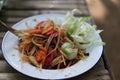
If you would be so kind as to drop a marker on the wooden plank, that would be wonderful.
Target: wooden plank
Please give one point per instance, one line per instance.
(14, 76)
(1, 34)
(4, 67)
(104, 77)
(33, 4)
(1, 56)
(50, 1)
(40, 4)
(100, 75)
(24, 13)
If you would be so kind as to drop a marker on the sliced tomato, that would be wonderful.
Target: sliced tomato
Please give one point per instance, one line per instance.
(50, 57)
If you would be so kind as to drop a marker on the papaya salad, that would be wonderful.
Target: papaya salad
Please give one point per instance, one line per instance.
(54, 44)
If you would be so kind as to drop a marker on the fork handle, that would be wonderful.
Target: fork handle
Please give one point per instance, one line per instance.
(8, 27)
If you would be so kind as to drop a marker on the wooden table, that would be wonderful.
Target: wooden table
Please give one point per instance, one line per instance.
(16, 10)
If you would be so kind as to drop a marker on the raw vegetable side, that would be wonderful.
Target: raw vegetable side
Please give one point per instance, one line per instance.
(53, 45)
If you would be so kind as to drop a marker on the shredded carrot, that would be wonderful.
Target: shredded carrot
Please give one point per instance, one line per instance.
(35, 31)
(43, 49)
(49, 32)
(40, 56)
(47, 29)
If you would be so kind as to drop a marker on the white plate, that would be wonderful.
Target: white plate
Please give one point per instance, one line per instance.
(10, 42)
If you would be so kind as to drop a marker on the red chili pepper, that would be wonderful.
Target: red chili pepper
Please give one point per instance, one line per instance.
(49, 58)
